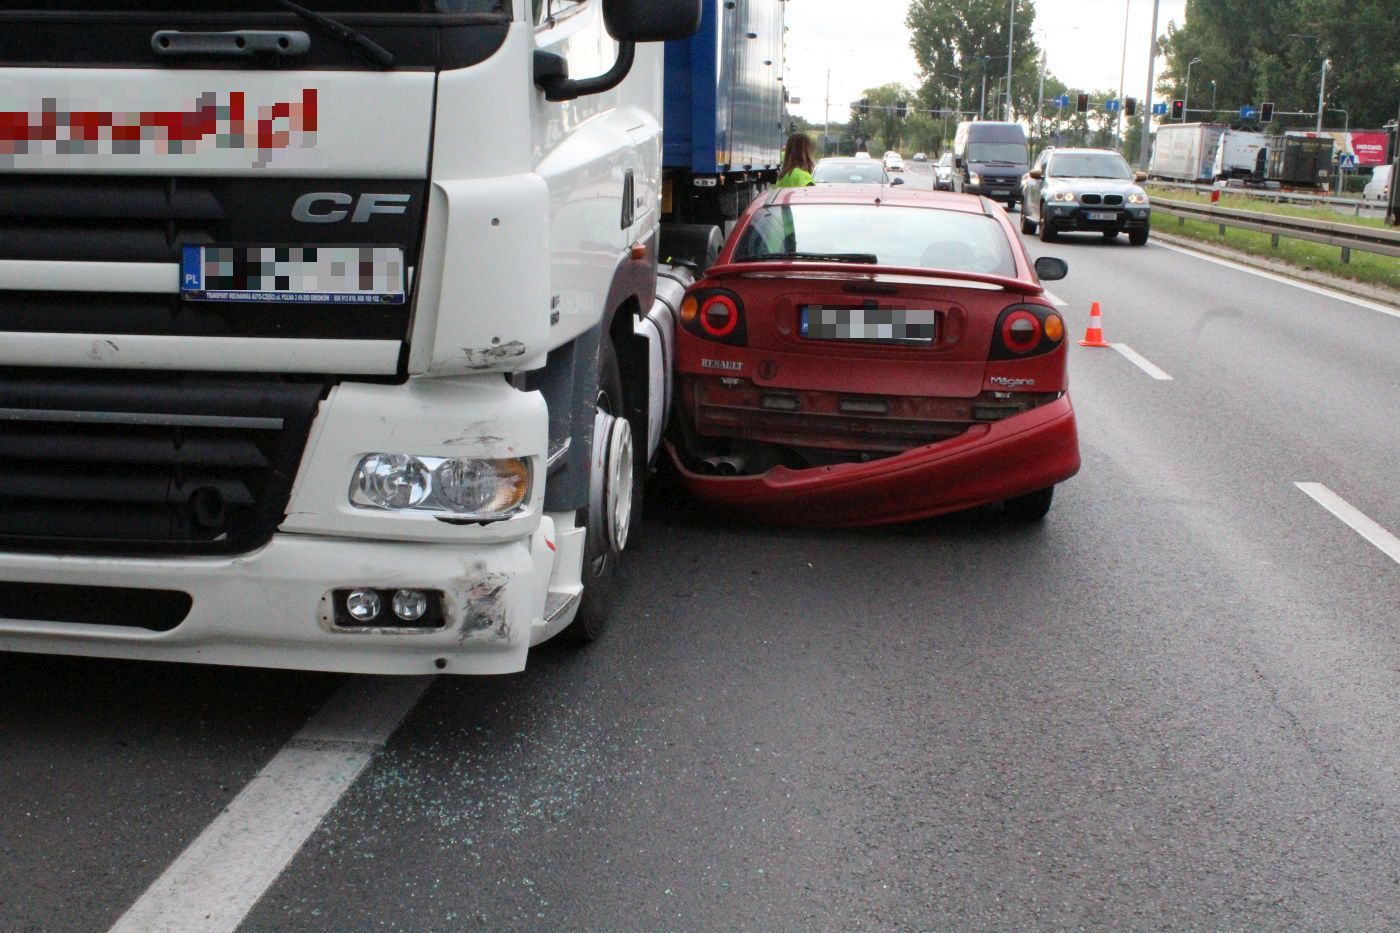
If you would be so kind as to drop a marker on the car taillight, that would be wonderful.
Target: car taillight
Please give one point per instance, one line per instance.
(714, 314)
(1023, 330)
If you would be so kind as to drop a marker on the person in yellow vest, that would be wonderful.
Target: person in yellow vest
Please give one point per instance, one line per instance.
(797, 163)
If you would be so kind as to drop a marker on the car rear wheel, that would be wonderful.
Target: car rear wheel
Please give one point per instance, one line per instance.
(1137, 237)
(1027, 225)
(1047, 229)
(1031, 507)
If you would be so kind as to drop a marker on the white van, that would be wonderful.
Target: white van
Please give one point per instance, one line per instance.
(1378, 188)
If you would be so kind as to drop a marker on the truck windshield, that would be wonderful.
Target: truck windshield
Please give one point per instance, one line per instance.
(888, 234)
(997, 152)
(1090, 165)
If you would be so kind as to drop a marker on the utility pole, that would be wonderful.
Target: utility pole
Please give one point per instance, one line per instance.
(1321, 93)
(1040, 104)
(1147, 114)
(1010, 40)
(1122, 71)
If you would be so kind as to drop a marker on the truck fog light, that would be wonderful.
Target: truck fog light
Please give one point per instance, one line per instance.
(364, 605)
(409, 605)
(392, 481)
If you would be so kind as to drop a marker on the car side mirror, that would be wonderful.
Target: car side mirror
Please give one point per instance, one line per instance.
(896, 181)
(1048, 268)
(629, 22)
(1139, 177)
(651, 20)
(1035, 173)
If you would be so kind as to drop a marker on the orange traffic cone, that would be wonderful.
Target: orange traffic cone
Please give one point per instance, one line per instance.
(1093, 337)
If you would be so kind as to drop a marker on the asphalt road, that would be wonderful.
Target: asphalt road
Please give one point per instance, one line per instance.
(1173, 703)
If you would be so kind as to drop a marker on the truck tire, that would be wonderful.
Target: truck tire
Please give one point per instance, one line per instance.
(614, 506)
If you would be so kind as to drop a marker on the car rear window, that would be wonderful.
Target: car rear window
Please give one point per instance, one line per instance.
(862, 172)
(895, 235)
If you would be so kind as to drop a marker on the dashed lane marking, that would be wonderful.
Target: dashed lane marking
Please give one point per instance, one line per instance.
(1140, 361)
(1315, 289)
(1354, 518)
(213, 884)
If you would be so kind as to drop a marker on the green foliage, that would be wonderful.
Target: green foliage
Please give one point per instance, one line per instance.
(957, 44)
(883, 120)
(1257, 51)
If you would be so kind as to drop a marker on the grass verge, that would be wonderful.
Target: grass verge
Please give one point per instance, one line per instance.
(1372, 269)
(1243, 202)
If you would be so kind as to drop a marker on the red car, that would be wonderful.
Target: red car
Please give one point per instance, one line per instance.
(865, 355)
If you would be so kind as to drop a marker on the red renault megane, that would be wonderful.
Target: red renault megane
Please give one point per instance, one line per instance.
(865, 355)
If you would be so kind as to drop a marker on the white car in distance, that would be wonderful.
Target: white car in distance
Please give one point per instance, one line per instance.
(894, 162)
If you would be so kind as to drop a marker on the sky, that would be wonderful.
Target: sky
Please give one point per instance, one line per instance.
(1083, 40)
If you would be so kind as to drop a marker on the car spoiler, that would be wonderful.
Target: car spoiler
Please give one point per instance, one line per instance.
(1006, 282)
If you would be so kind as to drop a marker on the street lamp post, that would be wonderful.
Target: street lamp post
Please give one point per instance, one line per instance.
(1122, 70)
(1346, 130)
(1321, 93)
(1186, 98)
(1010, 40)
(1145, 143)
(1212, 100)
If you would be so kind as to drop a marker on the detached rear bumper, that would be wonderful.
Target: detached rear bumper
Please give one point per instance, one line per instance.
(987, 463)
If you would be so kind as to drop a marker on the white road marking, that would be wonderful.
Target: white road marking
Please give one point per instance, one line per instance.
(1359, 523)
(1316, 289)
(1055, 299)
(217, 880)
(1140, 360)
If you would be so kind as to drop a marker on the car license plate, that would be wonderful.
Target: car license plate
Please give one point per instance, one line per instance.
(1101, 215)
(339, 274)
(886, 325)
(1001, 191)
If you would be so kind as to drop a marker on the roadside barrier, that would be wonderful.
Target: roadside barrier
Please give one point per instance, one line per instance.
(1345, 237)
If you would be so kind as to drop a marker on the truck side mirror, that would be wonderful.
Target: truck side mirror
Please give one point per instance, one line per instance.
(629, 22)
(651, 20)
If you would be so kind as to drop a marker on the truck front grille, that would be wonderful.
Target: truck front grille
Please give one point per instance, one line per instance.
(148, 465)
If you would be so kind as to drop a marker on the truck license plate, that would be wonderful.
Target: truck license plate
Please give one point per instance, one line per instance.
(1101, 215)
(876, 324)
(307, 274)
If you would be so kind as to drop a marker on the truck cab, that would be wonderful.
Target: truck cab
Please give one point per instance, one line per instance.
(332, 338)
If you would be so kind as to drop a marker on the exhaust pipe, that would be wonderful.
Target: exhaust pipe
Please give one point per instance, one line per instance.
(707, 466)
(729, 466)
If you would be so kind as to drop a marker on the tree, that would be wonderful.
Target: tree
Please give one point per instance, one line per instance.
(957, 45)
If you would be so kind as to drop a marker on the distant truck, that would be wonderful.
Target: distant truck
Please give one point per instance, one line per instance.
(1210, 152)
(724, 110)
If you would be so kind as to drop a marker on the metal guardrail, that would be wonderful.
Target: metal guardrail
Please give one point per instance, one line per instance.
(1355, 205)
(1346, 237)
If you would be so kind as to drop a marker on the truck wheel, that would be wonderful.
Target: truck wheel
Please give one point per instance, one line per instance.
(615, 502)
(1031, 507)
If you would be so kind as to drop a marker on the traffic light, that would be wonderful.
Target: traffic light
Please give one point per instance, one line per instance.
(1082, 105)
(1266, 112)
(1178, 110)
(1129, 106)
(901, 108)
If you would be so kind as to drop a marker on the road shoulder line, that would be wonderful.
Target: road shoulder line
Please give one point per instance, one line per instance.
(1354, 518)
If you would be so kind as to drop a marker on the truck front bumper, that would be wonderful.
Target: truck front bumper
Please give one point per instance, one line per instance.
(271, 608)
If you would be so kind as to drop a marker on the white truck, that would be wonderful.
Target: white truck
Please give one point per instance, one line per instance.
(330, 339)
(1206, 152)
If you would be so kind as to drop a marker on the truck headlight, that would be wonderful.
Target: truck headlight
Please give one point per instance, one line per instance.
(973, 178)
(1063, 196)
(462, 486)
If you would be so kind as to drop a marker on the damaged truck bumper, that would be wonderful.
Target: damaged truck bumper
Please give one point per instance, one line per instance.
(274, 607)
(285, 602)
(985, 464)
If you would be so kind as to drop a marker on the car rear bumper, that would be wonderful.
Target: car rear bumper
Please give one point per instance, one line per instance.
(987, 463)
